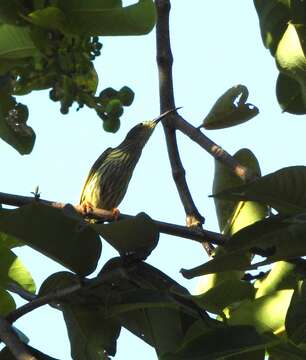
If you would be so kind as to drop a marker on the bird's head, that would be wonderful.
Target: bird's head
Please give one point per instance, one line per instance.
(141, 133)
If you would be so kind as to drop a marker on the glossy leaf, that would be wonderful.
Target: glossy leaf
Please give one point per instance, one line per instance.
(273, 17)
(283, 275)
(218, 343)
(296, 315)
(94, 18)
(138, 235)
(15, 42)
(283, 190)
(226, 262)
(280, 238)
(223, 294)
(50, 17)
(13, 270)
(7, 303)
(291, 61)
(228, 211)
(266, 314)
(230, 109)
(51, 231)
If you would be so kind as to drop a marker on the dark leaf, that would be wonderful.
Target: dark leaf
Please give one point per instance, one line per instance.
(90, 332)
(283, 190)
(230, 109)
(49, 230)
(296, 315)
(7, 303)
(218, 343)
(109, 18)
(138, 235)
(291, 60)
(273, 17)
(289, 96)
(238, 260)
(5, 354)
(13, 120)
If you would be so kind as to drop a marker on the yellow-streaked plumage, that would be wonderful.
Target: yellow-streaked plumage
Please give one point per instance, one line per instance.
(109, 177)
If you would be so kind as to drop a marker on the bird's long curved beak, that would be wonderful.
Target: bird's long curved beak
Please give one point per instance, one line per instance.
(163, 115)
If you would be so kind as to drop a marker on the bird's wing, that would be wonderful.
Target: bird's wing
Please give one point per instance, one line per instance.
(94, 168)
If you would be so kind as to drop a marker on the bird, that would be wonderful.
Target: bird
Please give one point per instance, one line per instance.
(109, 177)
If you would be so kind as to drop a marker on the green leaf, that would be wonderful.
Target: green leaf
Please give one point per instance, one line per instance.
(13, 270)
(289, 96)
(138, 235)
(13, 120)
(291, 61)
(266, 314)
(7, 303)
(283, 190)
(280, 238)
(223, 294)
(149, 303)
(54, 233)
(230, 109)
(286, 350)
(15, 42)
(273, 17)
(5, 354)
(96, 18)
(296, 315)
(50, 17)
(219, 343)
(233, 215)
(90, 333)
(226, 262)
(283, 275)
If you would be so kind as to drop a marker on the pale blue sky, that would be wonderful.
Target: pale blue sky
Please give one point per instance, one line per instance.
(216, 44)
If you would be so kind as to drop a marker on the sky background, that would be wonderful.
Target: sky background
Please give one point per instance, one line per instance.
(215, 44)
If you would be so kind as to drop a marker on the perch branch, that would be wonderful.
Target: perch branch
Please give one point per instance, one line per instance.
(194, 233)
(11, 340)
(164, 61)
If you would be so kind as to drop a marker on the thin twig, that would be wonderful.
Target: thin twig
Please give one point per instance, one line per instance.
(17, 289)
(11, 340)
(213, 149)
(42, 300)
(164, 61)
(194, 233)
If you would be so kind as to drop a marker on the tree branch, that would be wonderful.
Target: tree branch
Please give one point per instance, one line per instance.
(11, 340)
(41, 301)
(17, 289)
(212, 148)
(164, 61)
(194, 233)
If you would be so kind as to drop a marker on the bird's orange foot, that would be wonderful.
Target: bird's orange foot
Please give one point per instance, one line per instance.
(116, 213)
(87, 207)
